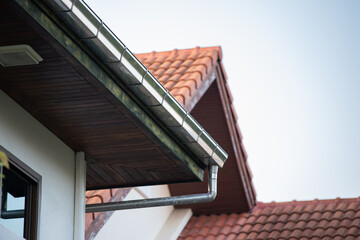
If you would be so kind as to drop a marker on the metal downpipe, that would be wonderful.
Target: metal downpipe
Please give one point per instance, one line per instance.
(165, 201)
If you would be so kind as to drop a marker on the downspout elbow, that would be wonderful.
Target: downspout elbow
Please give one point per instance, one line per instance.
(213, 171)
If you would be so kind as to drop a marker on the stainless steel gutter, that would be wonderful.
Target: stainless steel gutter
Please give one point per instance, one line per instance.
(165, 201)
(100, 39)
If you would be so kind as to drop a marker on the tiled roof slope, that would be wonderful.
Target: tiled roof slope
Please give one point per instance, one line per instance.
(187, 74)
(183, 72)
(318, 219)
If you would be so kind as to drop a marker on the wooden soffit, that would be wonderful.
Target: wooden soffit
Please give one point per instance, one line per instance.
(76, 97)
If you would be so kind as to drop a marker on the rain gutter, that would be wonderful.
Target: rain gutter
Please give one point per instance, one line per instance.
(164, 201)
(114, 54)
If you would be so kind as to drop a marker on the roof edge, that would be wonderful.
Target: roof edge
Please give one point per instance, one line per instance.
(106, 82)
(261, 205)
(79, 17)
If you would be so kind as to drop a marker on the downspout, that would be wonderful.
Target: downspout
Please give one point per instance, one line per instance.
(165, 201)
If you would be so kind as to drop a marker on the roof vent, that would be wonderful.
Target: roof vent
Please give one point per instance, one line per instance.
(18, 55)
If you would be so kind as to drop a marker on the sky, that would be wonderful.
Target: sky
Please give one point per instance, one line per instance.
(294, 71)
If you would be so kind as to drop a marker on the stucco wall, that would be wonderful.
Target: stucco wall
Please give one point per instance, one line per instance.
(156, 223)
(42, 151)
(144, 223)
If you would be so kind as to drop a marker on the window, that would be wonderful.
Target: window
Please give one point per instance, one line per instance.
(20, 198)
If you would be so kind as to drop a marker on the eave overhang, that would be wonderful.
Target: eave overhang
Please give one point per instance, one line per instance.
(100, 39)
(112, 69)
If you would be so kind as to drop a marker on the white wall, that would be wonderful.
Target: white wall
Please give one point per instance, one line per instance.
(42, 151)
(7, 234)
(175, 224)
(145, 223)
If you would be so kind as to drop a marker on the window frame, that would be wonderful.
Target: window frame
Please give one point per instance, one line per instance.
(32, 212)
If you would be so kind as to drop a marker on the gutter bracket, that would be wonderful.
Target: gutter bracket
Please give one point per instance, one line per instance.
(164, 201)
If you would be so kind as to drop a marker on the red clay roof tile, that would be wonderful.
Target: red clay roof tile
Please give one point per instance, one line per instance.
(242, 236)
(315, 216)
(231, 236)
(210, 237)
(220, 237)
(215, 230)
(327, 214)
(290, 225)
(295, 233)
(287, 221)
(356, 221)
(354, 231)
(310, 208)
(236, 229)
(202, 232)
(279, 226)
(305, 216)
(220, 220)
(274, 234)
(301, 225)
(231, 219)
(349, 214)
(312, 224)
(263, 235)
(338, 214)
(226, 230)
(262, 219)
(323, 223)
(194, 65)
(334, 223)
(308, 233)
(283, 218)
(247, 228)
(272, 218)
(285, 233)
(252, 235)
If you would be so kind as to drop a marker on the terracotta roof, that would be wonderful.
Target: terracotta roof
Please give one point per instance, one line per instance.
(182, 72)
(188, 75)
(318, 219)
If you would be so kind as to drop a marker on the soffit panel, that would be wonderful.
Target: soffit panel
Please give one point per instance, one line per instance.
(119, 152)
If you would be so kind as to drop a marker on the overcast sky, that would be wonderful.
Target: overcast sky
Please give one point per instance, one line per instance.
(294, 70)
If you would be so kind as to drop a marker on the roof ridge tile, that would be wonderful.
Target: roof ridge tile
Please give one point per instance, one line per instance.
(307, 202)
